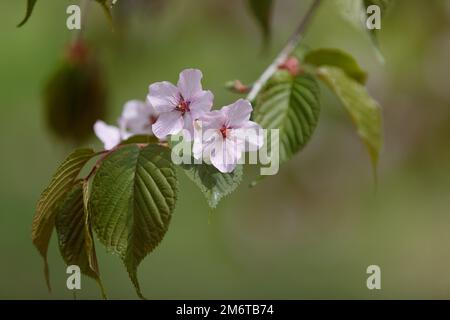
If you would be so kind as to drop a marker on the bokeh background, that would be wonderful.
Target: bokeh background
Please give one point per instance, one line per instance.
(309, 232)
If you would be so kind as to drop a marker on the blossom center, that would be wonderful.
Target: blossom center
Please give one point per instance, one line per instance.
(224, 131)
(183, 106)
(151, 121)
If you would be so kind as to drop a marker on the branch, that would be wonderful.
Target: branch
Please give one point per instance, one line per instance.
(293, 42)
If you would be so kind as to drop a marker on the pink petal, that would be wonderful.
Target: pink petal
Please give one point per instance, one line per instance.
(225, 155)
(188, 132)
(212, 120)
(202, 148)
(163, 96)
(109, 135)
(189, 83)
(250, 135)
(133, 109)
(136, 119)
(201, 103)
(238, 113)
(168, 123)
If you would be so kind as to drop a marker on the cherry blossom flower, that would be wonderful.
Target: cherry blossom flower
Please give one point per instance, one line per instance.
(137, 119)
(109, 135)
(226, 134)
(178, 106)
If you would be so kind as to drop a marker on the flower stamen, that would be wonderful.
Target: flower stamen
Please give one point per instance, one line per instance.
(183, 106)
(223, 131)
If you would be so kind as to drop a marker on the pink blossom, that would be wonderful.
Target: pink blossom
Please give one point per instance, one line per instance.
(178, 106)
(226, 134)
(137, 119)
(109, 135)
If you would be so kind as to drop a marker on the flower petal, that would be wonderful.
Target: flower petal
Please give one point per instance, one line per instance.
(238, 113)
(188, 132)
(109, 135)
(189, 83)
(201, 103)
(204, 141)
(212, 120)
(225, 155)
(163, 96)
(251, 134)
(168, 123)
(136, 119)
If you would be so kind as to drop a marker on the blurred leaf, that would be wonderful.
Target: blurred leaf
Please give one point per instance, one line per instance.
(336, 58)
(30, 7)
(356, 13)
(132, 200)
(351, 10)
(262, 11)
(75, 96)
(292, 105)
(214, 184)
(383, 5)
(74, 232)
(106, 5)
(364, 111)
(50, 199)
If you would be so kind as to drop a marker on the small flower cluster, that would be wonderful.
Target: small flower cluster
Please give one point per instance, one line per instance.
(220, 136)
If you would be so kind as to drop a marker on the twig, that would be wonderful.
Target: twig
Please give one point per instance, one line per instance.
(293, 42)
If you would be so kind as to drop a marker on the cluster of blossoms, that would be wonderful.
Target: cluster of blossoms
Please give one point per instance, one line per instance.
(219, 137)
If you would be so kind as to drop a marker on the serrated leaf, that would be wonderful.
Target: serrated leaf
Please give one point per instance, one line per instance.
(336, 58)
(30, 7)
(132, 200)
(74, 232)
(363, 110)
(140, 139)
(290, 104)
(214, 184)
(61, 184)
(262, 12)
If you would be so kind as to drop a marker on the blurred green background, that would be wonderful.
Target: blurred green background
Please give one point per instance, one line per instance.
(309, 232)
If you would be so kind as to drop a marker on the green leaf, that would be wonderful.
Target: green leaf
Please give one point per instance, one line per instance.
(30, 7)
(50, 199)
(356, 13)
(336, 58)
(363, 110)
(106, 5)
(350, 10)
(290, 104)
(384, 6)
(214, 184)
(140, 139)
(262, 11)
(74, 232)
(132, 200)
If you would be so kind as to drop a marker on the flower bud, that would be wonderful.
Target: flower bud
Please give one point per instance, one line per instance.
(75, 95)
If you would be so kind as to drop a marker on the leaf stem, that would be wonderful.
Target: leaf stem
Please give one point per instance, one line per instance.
(103, 154)
(292, 43)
